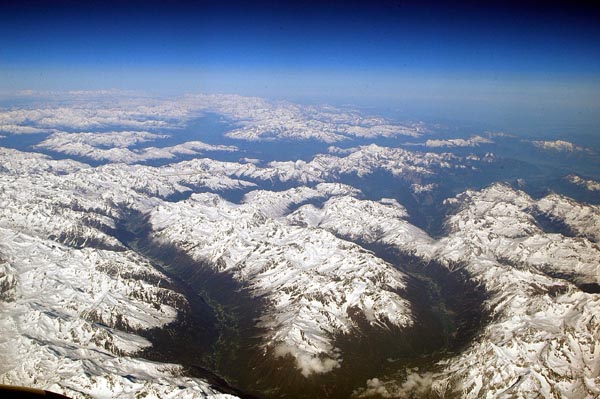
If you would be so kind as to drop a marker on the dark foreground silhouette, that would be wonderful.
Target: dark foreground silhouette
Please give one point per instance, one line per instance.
(10, 392)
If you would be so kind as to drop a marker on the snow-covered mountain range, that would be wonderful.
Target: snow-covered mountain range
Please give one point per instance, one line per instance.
(315, 283)
(83, 282)
(74, 299)
(543, 335)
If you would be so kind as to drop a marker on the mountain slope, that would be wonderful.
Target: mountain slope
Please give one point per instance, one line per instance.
(313, 281)
(544, 334)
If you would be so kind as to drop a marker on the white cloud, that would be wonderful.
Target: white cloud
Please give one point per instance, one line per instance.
(309, 363)
(414, 385)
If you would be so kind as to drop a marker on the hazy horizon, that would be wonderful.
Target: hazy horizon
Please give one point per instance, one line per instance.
(500, 65)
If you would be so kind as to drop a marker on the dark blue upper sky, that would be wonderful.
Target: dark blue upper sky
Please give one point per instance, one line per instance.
(421, 53)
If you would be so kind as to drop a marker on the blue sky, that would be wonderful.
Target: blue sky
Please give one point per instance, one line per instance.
(426, 58)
